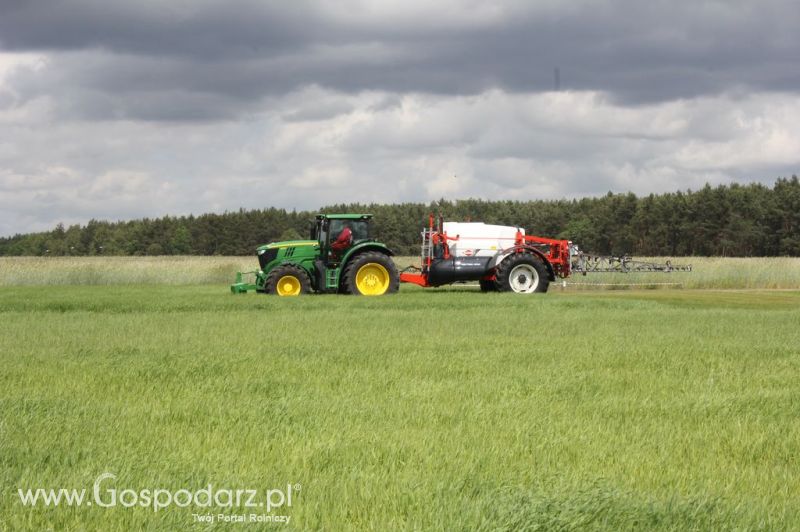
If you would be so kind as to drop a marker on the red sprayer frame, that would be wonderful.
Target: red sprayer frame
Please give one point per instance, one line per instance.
(554, 253)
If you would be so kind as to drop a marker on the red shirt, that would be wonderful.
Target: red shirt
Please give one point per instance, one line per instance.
(343, 241)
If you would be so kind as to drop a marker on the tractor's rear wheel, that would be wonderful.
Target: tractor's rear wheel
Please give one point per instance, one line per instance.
(371, 274)
(288, 281)
(522, 273)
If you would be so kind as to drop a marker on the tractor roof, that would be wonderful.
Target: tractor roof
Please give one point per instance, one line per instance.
(344, 216)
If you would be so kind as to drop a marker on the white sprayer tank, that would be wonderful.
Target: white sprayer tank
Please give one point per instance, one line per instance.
(477, 239)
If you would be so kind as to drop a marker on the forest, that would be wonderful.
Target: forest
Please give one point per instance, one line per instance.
(733, 220)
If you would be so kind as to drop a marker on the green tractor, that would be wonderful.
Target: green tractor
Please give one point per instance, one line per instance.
(340, 257)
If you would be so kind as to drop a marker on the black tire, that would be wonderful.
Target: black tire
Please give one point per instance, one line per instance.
(522, 273)
(487, 285)
(350, 273)
(288, 270)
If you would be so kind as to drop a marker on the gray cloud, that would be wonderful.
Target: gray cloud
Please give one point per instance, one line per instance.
(242, 51)
(119, 110)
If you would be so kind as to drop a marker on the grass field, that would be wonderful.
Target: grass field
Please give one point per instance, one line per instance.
(432, 410)
(709, 272)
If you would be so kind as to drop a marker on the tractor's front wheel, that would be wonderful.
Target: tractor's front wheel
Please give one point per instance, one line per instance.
(288, 281)
(371, 274)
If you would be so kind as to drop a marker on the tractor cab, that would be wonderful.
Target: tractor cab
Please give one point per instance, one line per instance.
(336, 233)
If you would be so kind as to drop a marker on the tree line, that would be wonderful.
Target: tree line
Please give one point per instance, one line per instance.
(727, 220)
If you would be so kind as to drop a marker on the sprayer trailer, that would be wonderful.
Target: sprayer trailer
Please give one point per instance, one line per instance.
(504, 258)
(339, 257)
(501, 258)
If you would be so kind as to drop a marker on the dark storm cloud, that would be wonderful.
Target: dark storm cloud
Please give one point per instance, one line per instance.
(201, 61)
(190, 29)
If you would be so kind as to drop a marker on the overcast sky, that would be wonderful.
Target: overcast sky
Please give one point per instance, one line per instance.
(119, 110)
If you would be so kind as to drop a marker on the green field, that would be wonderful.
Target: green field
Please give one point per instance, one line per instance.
(432, 410)
(709, 272)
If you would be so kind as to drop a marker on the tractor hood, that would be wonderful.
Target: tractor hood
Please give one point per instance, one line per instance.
(284, 250)
(288, 244)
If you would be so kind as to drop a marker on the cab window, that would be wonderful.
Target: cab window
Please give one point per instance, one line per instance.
(360, 229)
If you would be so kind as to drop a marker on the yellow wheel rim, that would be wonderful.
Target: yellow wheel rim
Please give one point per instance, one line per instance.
(372, 279)
(288, 285)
